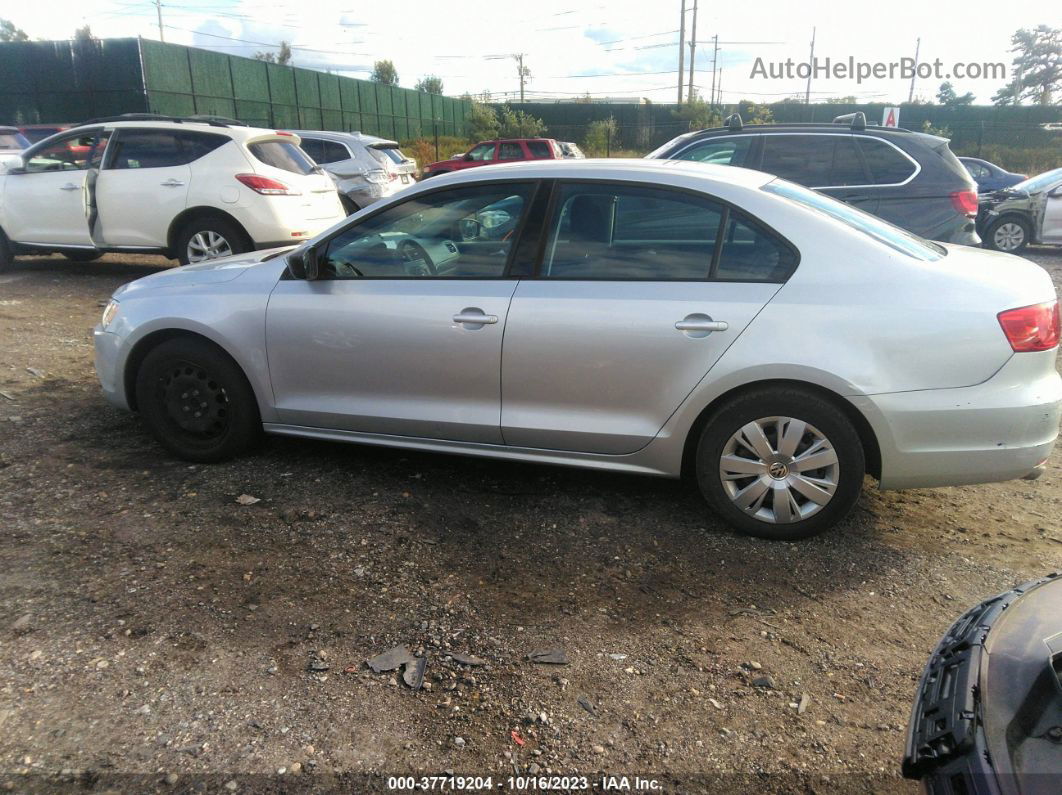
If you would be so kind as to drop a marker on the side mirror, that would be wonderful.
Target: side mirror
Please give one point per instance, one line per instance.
(467, 157)
(302, 264)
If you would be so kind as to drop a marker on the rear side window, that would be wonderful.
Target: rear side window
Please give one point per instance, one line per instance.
(720, 152)
(283, 155)
(631, 232)
(328, 152)
(393, 153)
(510, 151)
(887, 165)
(161, 148)
(539, 149)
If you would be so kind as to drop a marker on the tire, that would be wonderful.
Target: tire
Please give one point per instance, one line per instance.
(206, 232)
(7, 256)
(775, 411)
(1009, 234)
(184, 376)
(82, 256)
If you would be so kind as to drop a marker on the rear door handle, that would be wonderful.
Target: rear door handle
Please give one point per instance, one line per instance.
(171, 183)
(70, 186)
(474, 316)
(701, 323)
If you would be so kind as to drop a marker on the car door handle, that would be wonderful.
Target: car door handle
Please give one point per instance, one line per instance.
(474, 316)
(70, 186)
(172, 183)
(701, 323)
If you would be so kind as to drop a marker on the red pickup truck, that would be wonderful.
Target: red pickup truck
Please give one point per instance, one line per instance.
(506, 150)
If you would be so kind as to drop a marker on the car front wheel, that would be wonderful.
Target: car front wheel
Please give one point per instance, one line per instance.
(196, 401)
(210, 238)
(1008, 234)
(780, 463)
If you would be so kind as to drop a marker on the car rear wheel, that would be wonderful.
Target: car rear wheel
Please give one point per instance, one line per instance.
(780, 463)
(1008, 234)
(82, 256)
(210, 238)
(196, 401)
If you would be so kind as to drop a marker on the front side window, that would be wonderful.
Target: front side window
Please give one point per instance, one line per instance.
(540, 149)
(160, 148)
(882, 231)
(283, 155)
(69, 153)
(888, 166)
(719, 152)
(807, 159)
(482, 152)
(461, 233)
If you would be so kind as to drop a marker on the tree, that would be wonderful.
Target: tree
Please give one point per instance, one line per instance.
(848, 100)
(384, 72)
(8, 31)
(947, 96)
(600, 136)
(283, 57)
(84, 34)
(430, 85)
(482, 122)
(1037, 67)
(698, 114)
(752, 113)
(518, 124)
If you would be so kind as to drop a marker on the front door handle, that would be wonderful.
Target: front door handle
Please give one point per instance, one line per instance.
(171, 183)
(474, 317)
(698, 325)
(70, 186)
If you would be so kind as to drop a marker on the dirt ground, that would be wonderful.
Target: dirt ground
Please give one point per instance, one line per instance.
(155, 634)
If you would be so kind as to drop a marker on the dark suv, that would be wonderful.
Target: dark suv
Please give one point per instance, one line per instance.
(908, 178)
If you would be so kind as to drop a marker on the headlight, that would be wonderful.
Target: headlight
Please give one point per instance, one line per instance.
(110, 312)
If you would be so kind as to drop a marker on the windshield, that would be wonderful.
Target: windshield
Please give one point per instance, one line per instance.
(1039, 182)
(13, 140)
(882, 231)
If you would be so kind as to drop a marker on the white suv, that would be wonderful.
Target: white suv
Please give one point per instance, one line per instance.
(190, 189)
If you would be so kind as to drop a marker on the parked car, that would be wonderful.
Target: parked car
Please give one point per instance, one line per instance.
(12, 142)
(506, 150)
(989, 176)
(987, 717)
(1028, 212)
(570, 149)
(365, 168)
(188, 189)
(658, 317)
(908, 178)
(34, 133)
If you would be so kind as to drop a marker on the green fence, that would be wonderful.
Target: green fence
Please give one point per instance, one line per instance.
(66, 81)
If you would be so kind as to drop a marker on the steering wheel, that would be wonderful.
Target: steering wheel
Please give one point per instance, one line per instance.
(412, 252)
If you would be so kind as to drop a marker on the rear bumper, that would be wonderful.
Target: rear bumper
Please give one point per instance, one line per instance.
(1001, 429)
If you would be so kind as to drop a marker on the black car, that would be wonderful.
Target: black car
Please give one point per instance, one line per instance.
(908, 178)
(1029, 212)
(987, 718)
(989, 176)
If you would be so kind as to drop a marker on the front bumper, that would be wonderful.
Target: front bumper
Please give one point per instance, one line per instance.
(107, 347)
(999, 430)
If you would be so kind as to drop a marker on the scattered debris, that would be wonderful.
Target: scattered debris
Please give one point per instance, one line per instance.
(517, 738)
(548, 657)
(467, 659)
(765, 682)
(318, 664)
(752, 611)
(413, 673)
(715, 703)
(7, 395)
(805, 701)
(35, 372)
(618, 657)
(247, 499)
(390, 660)
(585, 704)
(22, 625)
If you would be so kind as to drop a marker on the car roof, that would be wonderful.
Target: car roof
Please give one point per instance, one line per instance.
(238, 132)
(5, 129)
(333, 135)
(634, 169)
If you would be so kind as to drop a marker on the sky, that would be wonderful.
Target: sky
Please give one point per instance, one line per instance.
(622, 48)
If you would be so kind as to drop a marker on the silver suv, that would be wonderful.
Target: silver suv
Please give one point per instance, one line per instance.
(365, 168)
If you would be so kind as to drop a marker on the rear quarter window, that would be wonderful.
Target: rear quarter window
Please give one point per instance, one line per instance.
(539, 149)
(887, 165)
(283, 155)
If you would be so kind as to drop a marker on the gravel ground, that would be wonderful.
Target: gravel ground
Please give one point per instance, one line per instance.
(156, 634)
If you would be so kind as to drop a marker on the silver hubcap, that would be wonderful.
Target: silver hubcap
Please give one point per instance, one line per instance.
(207, 245)
(779, 470)
(1008, 236)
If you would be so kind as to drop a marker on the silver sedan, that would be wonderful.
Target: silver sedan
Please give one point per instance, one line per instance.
(640, 316)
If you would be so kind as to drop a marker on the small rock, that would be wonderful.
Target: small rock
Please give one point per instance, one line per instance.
(281, 771)
(548, 656)
(231, 786)
(715, 703)
(598, 749)
(805, 701)
(144, 710)
(23, 624)
(467, 659)
(296, 768)
(459, 742)
(247, 499)
(533, 769)
(618, 657)
(171, 778)
(765, 682)
(754, 666)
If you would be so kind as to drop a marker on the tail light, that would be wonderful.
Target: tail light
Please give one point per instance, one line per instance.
(1032, 328)
(266, 186)
(965, 202)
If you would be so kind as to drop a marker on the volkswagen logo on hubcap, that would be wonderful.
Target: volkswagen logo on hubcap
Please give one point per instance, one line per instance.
(778, 470)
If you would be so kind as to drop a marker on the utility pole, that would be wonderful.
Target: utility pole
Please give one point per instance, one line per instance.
(158, 9)
(811, 69)
(918, 46)
(522, 71)
(715, 61)
(693, 49)
(682, 49)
